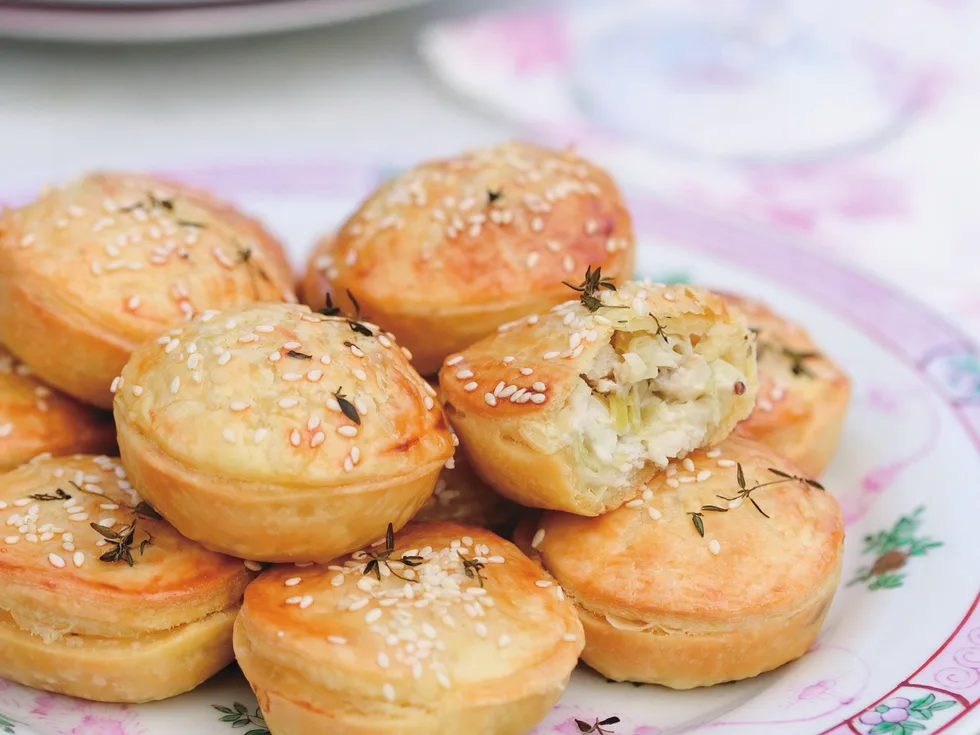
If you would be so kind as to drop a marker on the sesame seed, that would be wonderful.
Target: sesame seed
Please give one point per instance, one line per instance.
(288, 402)
(734, 503)
(464, 374)
(544, 583)
(313, 423)
(428, 402)
(293, 581)
(636, 503)
(490, 398)
(389, 692)
(292, 346)
(337, 580)
(348, 431)
(538, 538)
(305, 602)
(672, 482)
(703, 475)
(238, 405)
(275, 356)
(253, 565)
(78, 558)
(78, 517)
(508, 359)
(372, 615)
(172, 345)
(294, 438)
(713, 454)
(551, 355)
(360, 405)
(713, 546)
(538, 398)
(56, 561)
(229, 436)
(11, 539)
(337, 640)
(116, 383)
(332, 404)
(383, 660)
(259, 435)
(471, 386)
(291, 377)
(454, 360)
(653, 513)
(314, 375)
(726, 463)
(539, 387)
(325, 359)
(532, 259)
(526, 371)
(357, 350)
(318, 439)
(175, 385)
(223, 358)
(688, 464)
(294, 600)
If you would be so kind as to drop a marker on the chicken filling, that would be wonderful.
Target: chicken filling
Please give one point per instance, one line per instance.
(650, 397)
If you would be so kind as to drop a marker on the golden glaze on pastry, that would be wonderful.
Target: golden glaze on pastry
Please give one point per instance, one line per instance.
(572, 409)
(803, 394)
(444, 253)
(662, 604)
(91, 270)
(278, 434)
(35, 419)
(444, 646)
(103, 630)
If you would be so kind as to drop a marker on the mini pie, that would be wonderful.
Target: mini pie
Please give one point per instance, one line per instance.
(35, 419)
(91, 270)
(573, 409)
(471, 638)
(662, 604)
(104, 630)
(803, 394)
(277, 434)
(444, 253)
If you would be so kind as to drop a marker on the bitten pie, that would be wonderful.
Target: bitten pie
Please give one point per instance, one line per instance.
(704, 578)
(76, 617)
(445, 252)
(440, 629)
(91, 270)
(572, 409)
(803, 394)
(277, 434)
(35, 419)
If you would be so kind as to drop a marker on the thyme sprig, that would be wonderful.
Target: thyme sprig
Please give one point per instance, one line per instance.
(745, 493)
(348, 408)
(472, 568)
(355, 322)
(493, 195)
(121, 542)
(591, 287)
(599, 727)
(59, 495)
(383, 558)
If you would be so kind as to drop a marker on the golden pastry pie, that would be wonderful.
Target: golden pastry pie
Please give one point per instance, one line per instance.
(442, 629)
(704, 578)
(91, 270)
(445, 252)
(572, 409)
(35, 419)
(803, 394)
(99, 598)
(278, 434)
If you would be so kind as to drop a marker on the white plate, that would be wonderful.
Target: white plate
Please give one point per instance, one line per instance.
(130, 21)
(900, 652)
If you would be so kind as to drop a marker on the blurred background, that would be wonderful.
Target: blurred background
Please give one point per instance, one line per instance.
(849, 126)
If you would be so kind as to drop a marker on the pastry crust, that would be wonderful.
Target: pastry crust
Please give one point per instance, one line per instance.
(572, 409)
(662, 604)
(803, 394)
(277, 434)
(35, 419)
(444, 253)
(325, 650)
(91, 270)
(104, 630)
